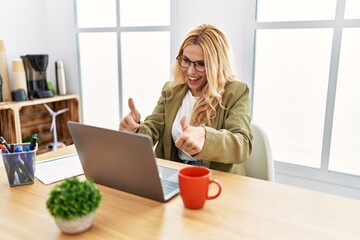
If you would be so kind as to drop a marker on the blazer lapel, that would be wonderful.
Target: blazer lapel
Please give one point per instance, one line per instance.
(172, 108)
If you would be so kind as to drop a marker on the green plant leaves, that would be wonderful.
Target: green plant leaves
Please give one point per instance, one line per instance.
(73, 198)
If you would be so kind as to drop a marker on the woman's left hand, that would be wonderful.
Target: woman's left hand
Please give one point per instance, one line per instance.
(192, 139)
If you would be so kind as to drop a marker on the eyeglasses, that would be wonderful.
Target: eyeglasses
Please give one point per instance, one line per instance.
(184, 62)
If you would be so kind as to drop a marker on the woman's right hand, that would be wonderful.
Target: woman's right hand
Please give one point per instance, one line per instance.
(131, 122)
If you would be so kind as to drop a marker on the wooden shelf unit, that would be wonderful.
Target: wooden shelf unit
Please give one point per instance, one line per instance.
(19, 120)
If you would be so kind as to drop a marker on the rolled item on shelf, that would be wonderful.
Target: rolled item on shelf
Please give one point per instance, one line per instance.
(6, 93)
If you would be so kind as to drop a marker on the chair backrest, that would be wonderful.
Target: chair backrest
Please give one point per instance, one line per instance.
(260, 163)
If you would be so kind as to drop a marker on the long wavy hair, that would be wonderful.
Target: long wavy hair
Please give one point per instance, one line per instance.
(219, 70)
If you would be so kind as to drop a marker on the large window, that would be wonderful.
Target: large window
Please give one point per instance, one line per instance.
(307, 84)
(124, 51)
(345, 150)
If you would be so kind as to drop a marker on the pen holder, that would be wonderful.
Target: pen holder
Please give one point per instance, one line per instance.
(20, 164)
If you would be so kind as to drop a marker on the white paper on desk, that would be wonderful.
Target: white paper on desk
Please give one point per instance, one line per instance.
(57, 169)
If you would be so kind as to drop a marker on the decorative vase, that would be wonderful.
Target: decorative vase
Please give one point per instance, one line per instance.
(18, 75)
(76, 225)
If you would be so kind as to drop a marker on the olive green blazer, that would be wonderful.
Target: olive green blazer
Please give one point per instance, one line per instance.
(228, 139)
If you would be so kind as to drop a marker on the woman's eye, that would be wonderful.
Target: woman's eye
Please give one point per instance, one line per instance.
(200, 64)
(185, 60)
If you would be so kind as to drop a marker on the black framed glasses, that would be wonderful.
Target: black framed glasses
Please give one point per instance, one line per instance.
(184, 62)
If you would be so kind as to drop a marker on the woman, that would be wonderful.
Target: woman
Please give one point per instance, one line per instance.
(203, 114)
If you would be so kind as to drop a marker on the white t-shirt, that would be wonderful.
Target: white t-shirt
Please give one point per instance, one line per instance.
(186, 108)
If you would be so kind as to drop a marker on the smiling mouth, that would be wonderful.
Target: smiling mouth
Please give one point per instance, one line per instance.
(192, 79)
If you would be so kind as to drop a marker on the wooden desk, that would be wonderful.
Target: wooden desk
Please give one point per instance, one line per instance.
(247, 209)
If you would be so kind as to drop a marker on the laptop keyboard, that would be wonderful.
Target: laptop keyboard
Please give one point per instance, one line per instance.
(168, 186)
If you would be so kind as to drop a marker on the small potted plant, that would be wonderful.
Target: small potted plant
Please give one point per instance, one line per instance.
(73, 204)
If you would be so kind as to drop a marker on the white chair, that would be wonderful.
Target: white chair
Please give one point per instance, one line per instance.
(260, 163)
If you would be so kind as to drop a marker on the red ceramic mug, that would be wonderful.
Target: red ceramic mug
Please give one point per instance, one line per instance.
(194, 186)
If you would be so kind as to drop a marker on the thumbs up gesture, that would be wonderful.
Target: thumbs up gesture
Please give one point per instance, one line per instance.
(135, 113)
(192, 139)
(132, 119)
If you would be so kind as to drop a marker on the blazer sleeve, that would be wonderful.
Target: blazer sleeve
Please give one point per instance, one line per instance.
(153, 124)
(228, 140)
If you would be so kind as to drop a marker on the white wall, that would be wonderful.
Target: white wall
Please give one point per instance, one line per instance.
(41, 27)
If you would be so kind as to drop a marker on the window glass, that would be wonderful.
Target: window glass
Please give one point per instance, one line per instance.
(291, 78)
(96, 13)
(295, 10)
(144, 13)
(352, 9)
(345, 147)
(99, 79)
(145, 68)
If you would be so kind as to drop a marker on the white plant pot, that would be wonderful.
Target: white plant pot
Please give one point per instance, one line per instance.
(76, 225)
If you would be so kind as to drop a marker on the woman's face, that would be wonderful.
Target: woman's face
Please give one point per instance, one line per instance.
(195, 80)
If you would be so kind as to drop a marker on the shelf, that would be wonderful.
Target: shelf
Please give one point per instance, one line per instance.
(19, 120)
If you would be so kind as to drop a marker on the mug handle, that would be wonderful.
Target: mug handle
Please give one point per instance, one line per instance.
(219, 189)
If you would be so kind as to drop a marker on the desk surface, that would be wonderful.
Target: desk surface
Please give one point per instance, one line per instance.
(247, 209)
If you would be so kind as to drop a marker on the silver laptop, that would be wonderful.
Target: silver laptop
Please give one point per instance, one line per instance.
(124, 161)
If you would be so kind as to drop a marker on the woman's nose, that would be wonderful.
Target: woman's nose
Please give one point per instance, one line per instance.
(191, 69)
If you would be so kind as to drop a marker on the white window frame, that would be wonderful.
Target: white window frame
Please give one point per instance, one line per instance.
(318, 179)
(118, 30)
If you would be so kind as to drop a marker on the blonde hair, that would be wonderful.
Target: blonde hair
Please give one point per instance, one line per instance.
(219, 70)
